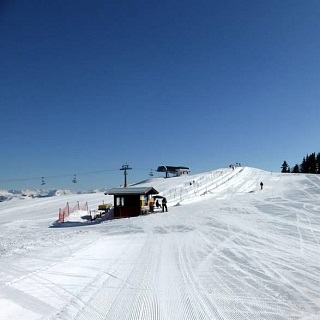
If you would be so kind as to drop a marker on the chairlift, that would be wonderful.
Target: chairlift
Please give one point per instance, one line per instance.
(74, 180)
(42, 181)
(151, 173)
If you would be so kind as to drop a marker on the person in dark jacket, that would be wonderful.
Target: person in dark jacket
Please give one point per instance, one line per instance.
(261, 185)
(164, 205)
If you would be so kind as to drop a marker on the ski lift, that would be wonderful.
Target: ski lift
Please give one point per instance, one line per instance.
(151, 173)
(42, 181)
(74, 180)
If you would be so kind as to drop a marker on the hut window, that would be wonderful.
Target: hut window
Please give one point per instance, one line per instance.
(120, 201)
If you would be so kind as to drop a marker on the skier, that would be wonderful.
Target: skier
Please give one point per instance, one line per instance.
(261, 185)
(164, 205)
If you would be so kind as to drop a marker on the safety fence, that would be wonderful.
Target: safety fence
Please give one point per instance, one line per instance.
(66, 211)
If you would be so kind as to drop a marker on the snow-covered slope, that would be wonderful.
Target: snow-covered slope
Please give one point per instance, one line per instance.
(225, 250)
(220, 183)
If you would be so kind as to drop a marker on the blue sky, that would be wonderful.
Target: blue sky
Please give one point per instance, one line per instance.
(87, 86)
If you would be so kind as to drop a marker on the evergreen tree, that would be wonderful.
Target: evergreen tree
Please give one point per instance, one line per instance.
(304, 165)
(309, 164)
(318, 163)
(296, 169)
(285, 167)
(312, 163)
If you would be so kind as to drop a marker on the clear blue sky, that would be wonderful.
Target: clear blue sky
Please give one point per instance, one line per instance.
(87, 86)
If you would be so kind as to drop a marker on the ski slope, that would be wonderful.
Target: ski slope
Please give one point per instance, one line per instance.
(225, 250)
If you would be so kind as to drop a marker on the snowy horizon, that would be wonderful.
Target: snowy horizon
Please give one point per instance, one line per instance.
(225, 250)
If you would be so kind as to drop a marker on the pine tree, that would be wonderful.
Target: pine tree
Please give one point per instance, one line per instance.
(285, 167)
(304, 165)
(318, 163)
(309, 164)
(296, 169)
(312, 163)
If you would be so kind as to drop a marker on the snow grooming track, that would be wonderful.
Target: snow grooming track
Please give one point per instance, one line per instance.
(229, 272)
(138, 301)
(246, 290)
(103, 293)
(199, 306)
(175, 298)
(43, 278)
(150, 297)
(275, 264)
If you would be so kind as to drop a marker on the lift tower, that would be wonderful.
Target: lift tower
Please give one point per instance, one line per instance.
(125, 167)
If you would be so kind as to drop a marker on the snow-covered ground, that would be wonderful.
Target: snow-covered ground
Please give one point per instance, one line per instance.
(225, 250)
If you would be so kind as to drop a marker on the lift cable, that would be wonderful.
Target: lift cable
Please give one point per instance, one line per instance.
(56, 176)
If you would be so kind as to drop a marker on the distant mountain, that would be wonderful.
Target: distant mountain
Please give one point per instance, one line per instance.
(6, 195)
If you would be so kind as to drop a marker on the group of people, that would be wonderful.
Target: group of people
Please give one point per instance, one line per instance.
(163, 204)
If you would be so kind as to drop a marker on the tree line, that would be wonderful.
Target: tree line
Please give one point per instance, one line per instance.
(310, 164)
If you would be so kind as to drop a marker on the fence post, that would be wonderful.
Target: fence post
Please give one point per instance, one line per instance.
(61, 216)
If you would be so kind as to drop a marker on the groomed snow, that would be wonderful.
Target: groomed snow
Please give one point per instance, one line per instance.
(225, 250)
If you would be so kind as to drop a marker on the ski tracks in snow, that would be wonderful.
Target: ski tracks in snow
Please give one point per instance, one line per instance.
(234, 256)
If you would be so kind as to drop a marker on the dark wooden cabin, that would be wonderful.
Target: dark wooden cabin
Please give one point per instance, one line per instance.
(127, 201)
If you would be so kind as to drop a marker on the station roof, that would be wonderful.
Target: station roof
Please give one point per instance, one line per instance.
(132, 191)
(171, 169)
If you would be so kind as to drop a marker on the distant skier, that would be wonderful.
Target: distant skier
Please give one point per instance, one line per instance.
(261, 185)
(164, 205)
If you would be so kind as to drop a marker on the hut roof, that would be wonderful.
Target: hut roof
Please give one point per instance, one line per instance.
(131, 191)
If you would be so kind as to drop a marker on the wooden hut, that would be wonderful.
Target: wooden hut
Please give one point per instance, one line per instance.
(128, 201)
